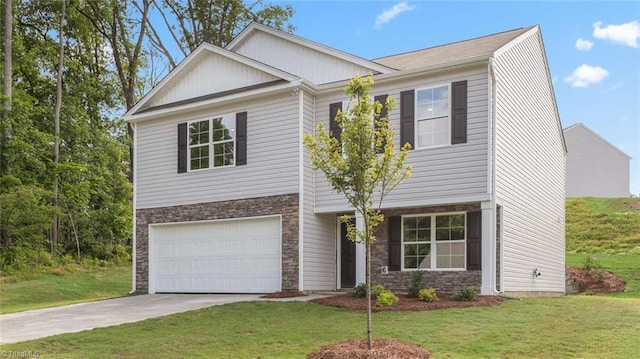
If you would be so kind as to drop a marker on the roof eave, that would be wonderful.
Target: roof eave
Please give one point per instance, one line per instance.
(194, 106)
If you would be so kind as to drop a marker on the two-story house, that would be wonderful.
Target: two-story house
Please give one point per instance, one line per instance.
(226, 200)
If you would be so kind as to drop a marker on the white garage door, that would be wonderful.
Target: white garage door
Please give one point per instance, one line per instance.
(228, 256)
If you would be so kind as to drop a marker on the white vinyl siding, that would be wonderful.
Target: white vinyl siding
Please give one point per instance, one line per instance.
(530, 170)
(271, 169)
(595, 168)
(319, 255)
(213, 73)
(296, 59)
(439, 174)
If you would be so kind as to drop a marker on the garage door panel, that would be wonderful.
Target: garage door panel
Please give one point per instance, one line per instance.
(238, 256)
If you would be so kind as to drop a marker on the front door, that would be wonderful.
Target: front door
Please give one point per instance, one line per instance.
(347, 259)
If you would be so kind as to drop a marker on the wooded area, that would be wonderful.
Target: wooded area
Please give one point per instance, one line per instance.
(71, 70)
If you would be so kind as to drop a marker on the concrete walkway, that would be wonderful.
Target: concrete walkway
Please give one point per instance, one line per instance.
(40, 323)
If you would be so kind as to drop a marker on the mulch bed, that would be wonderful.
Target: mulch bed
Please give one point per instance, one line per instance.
(381, 349)
(596, 281)
(406, 303)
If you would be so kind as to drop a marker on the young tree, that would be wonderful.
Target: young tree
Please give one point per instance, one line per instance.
(362, 164)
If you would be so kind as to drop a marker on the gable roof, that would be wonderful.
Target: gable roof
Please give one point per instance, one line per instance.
(194, 59)
(345, 56)
(480, 46)
(580, 125)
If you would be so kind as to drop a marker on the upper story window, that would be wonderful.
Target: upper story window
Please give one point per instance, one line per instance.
(433, 116)
(212, 142)
(434, 242)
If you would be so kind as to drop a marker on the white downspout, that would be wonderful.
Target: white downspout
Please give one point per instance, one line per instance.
(133, 200)
(492, 123)
(300, 189)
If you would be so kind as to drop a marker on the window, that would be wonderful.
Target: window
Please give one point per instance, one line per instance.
(434, 241)
(432, 116)
(212, 142)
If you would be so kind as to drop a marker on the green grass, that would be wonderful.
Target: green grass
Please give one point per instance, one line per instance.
(568, 327)
(61, 287)
(603, 225)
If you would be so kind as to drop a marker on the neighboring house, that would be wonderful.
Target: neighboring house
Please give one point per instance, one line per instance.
(226, 200)
(595, 167)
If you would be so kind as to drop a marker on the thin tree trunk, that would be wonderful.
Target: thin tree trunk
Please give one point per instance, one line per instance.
(56, 125)
(8, 80)
(368, 274)
(75, 231)
(5, 167)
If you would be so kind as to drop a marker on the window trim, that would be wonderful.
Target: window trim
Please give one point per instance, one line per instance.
(416, 119)
(210, 143)
(433, 242)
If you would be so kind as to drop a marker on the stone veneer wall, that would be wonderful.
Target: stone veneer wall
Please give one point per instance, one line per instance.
(446, 281)
(285, 205)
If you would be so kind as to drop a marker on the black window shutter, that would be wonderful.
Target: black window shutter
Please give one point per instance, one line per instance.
(241, 138)
(459, 112)
(474, 240)
(395, 243)
(407, 117)
(182, 147)
(382, 99)
(334, 128)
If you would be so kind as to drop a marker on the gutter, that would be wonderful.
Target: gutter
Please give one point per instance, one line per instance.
(238, 97)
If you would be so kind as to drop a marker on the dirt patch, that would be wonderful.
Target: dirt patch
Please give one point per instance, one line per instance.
(596, 280)
(634, 205)
(277, 295)
(406, 303)
(381, 349)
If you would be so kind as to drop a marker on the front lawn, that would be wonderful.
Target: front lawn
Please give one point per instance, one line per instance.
(64, 285)
(568, 327)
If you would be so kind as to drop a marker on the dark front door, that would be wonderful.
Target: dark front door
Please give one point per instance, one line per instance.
(347, 259)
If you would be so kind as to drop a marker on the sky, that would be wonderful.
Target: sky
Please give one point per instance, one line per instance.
(593, 48)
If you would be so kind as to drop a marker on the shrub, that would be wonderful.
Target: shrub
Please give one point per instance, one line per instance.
(386, 299)
(360, 291)
(465, 294)
(594, 266)
(591, 264)
(413, 290)
(428, 295)
(378, 289)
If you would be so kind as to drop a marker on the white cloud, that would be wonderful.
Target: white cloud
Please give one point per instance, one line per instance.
(584, 45)
(625, 34)
(586, 75)
(391, 13)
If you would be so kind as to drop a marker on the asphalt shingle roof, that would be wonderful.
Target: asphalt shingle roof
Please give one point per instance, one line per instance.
(484, 45)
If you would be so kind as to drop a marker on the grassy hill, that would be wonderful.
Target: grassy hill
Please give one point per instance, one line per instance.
(606, 230)
(603, 225)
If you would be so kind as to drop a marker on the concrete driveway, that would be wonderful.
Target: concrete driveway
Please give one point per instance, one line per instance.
(35, 324)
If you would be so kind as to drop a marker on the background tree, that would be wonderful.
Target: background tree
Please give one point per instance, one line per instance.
(362, 165)
(95, 207)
